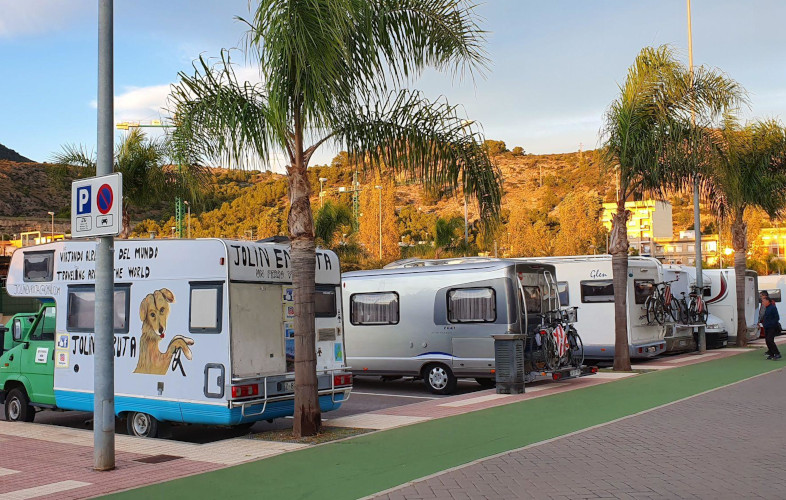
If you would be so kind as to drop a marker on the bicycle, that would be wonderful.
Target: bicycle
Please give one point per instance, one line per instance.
(697, 308)
(661, 303)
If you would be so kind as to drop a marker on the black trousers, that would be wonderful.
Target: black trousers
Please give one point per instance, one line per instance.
(769, 337)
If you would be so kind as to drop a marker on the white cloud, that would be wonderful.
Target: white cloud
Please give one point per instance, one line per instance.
(20, 17)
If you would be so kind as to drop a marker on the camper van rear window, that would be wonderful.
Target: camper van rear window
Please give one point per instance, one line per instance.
(325, 302)
(81, 308)
(39, 266)
(472, 305)
(642, 289)
(597, 291)
(374, 308)
(205, 311)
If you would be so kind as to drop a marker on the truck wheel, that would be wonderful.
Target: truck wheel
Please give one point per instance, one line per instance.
(439, 379)
(17, 407)
(486, 383)
(142, 425)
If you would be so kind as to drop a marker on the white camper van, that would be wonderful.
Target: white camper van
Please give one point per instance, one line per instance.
(775, 285)
(586, 281)
(684, 337)
(721, 299)
(202, 331)
(436, 319)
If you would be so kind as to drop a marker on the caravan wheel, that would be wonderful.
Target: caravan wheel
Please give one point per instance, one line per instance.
(17, 407)
(142, 425)
(439, 379)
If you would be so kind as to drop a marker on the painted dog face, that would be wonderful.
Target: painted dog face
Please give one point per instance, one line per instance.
(154, 311)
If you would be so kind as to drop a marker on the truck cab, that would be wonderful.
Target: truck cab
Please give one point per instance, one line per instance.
(27, 364)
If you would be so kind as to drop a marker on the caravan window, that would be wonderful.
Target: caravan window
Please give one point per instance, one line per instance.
(474, 305)
(642, 289)
(325, 301)
(374, 308)
(38, 266)
(597, 291)
(774, 293)
(564, 294)
(81, 306)
(205, 309)
(532, 299)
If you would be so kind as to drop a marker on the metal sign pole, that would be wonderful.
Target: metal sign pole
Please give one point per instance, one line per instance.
(104, 374)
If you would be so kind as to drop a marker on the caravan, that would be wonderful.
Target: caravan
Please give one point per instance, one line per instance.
(586, 281)
(202, 332)
(721, 299)
(775, 286)
(435, 318)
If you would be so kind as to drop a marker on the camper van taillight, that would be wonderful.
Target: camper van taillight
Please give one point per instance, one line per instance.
(244, 391)
(339, 380)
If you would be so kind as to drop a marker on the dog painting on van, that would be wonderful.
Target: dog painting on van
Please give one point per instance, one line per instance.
(154, 312)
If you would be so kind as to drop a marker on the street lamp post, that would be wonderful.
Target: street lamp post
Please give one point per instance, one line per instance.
(52, 234)
(380, 220)
(188, 218)
(321, 193)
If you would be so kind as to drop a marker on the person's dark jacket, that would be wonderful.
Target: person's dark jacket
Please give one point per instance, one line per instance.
(771, 317)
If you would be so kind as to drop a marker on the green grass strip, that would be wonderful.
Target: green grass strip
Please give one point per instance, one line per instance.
(368, 464)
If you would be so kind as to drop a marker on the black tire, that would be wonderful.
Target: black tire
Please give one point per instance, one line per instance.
(17, 406)
(550, 352)
(576, 349)
(486, 383)
(439, 378)
(649, 309)
(142, 425)
(677, 311)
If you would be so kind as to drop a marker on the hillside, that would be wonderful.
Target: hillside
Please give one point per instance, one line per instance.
(11, 155)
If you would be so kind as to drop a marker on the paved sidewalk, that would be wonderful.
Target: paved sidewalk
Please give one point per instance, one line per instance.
(728, 443)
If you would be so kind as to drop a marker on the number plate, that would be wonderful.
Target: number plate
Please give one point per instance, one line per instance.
(725, 343)
(286, 386)
(651, 349)
(575, 373)
(682, 343)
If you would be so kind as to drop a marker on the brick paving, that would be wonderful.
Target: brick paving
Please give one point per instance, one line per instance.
(727, 443)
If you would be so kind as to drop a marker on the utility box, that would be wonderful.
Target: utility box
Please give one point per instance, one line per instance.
(509, 363)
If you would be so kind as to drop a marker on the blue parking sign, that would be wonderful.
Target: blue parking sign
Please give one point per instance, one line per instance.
(83, 200)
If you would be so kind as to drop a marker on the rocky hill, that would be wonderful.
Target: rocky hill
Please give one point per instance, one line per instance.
(11, 155)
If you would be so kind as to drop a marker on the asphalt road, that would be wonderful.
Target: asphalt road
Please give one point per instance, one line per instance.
(368, 394)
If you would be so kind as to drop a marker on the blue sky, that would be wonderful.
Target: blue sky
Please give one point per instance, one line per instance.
(555, 65)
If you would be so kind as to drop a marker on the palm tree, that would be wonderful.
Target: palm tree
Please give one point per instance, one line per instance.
(336, 72)
(652, 142)
(146, 179)
(748, 170)
(445, 232)
(330, 219)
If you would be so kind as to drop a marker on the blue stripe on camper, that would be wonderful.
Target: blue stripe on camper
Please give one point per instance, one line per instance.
(435, 353)
(192, 413)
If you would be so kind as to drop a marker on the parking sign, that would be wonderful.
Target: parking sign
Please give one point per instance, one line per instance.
(96, 206)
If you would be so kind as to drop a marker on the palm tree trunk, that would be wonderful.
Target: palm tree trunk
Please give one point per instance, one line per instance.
(619, 267)
(739, 240)
(301, 229)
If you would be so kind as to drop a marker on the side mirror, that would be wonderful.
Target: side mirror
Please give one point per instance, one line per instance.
(17, 330)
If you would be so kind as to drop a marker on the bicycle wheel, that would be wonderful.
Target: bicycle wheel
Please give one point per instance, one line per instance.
(550, 354)
(677, 311)
(660, 312)
(576, 352)
(649, 310)
(702, 312)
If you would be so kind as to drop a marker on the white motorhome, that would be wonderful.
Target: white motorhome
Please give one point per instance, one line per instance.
(775, 285)
(684, 337)
(586, 281)
(721, 299)
(435, 319)
(203, 329)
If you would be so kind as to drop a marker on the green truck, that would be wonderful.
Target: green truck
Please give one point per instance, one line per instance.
(27, 350)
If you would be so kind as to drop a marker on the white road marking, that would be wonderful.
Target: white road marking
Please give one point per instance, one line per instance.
(472, 401)
(39, 491)
(391, 395)
(7, 472)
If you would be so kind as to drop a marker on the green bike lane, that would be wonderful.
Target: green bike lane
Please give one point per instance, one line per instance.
(375, 462)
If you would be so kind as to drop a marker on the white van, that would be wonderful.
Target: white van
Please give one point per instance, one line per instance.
(202, 331)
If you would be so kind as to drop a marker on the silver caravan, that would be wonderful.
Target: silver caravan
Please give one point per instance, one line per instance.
(435, 319)
(586, 281)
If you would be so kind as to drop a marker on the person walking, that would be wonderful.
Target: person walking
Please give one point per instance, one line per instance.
(771, 322)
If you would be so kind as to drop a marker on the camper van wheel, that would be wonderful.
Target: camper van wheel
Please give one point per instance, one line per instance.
(439, 379)
(486, 383)
(142, 425)
(17, 407)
